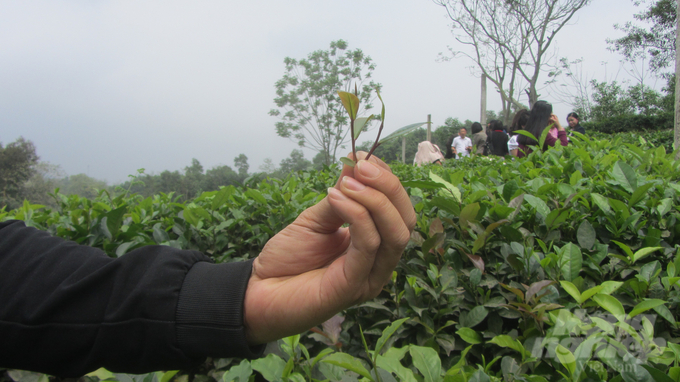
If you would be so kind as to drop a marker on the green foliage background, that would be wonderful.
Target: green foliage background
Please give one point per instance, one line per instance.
(561, 265)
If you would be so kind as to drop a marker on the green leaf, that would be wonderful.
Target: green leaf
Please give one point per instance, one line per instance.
(387, 333)
(526, 134)
(645, 306)
(359, 125)
(571, 261)
(221, 197)
(347, 161)
(664, 312)
(611, 305)
(238, 373)
(350, 102)
(639, 194)
(382, 112)
(506, 341)
(468, 215)
(390, 362)
(538, 204)
(475, 316)
(586, 235)
(566, 358)
(625, 176)
(470, 336)
(601, 202)
(271, 367)
(572, 290)
(402, 131)
(609, 287)
(114, 219)
(455, 192)
(257, 195)
(644, 252)
(427, 361)
(348, 362)
(509, 190)
(190, 217)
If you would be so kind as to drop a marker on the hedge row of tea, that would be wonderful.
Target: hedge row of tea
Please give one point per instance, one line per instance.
(560, 266)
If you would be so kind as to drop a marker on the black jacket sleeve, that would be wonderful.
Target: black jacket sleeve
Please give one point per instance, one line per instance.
(67, 309)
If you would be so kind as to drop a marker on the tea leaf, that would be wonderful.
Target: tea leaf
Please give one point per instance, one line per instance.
(470, 336)
(455, 192)
(347, 161)
(611, 305)
(360, 123)
(645, 306)
(566, 358)
(644, 252)
(348, 362)
(271, 367)
(427, 361)
(625, 176)
(350, 102)
(586, 235)
(572, 290)
(387, 333)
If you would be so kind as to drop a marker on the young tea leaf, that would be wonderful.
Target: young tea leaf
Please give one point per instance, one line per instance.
(387, 333)
(360, 123)
(347, 161)
(645, 306)
(427, 361)
(350, 102)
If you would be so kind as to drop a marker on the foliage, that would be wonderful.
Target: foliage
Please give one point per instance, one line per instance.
(306, 98)
(17, 164)
(631, 122)
(656, 42)
(563, 265)
(611, 100)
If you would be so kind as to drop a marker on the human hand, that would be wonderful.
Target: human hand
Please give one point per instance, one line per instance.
(556, 121)
(315, 268)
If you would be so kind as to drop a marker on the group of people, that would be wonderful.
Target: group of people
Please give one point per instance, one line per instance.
(499, 140)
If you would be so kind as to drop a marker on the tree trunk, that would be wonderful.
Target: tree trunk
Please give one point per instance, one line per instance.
(676, 142)
(482, 112)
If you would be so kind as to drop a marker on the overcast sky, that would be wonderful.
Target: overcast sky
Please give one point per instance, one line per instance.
(108, 87)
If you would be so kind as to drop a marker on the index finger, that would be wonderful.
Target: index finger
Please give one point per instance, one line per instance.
(387, 183)
(349, 171)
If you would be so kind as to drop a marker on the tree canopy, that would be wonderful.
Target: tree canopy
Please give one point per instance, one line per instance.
(655, 41)
(509, 41)
(307, 102)
(17, 164)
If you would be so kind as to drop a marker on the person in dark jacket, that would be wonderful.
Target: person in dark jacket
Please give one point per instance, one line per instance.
(498, 139)
(68, 309)
(574, 125)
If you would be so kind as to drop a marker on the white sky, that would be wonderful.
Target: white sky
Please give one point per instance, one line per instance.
(107, 87)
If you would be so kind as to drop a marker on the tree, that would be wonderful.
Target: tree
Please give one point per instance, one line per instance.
(17, 164)
(241, 164)
(268, 166)
(656, 41)
(296, 162)
(510, 41)
(308, 105)
(219, 176)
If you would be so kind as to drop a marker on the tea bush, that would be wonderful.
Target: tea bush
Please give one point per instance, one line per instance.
(559, 266)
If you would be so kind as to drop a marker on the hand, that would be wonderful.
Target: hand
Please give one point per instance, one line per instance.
(453, 150)
(315, 268)
(556, 122)
(469, 148)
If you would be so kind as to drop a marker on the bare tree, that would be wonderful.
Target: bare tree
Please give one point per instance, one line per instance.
(510, 40)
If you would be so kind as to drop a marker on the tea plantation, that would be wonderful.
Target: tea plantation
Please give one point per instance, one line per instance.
(560, 266)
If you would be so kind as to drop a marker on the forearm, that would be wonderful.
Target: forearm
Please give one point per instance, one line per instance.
(67, 309)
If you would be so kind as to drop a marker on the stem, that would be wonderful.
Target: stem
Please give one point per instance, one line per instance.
(354, 149)
(376, 144)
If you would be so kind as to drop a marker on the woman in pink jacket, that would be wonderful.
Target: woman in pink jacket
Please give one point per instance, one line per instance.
(541, 117)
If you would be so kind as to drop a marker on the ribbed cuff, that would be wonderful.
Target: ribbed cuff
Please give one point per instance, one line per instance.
(210, 311)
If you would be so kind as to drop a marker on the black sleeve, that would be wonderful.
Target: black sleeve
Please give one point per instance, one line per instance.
(67, 309)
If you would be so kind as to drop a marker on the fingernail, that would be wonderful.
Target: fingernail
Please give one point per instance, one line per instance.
(368, 170)
(336, 194)
(352, 184)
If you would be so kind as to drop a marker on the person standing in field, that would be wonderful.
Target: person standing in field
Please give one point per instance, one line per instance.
(461, 145)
